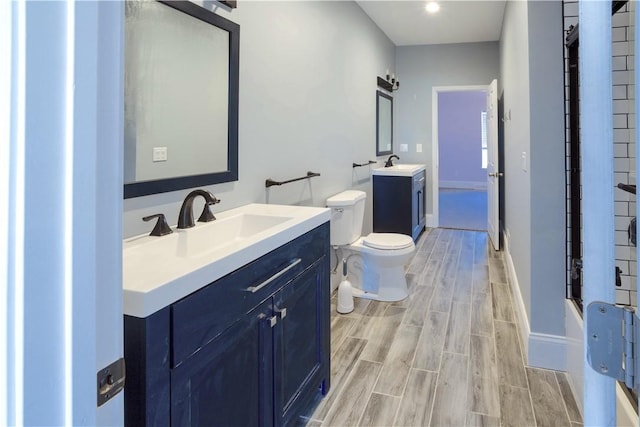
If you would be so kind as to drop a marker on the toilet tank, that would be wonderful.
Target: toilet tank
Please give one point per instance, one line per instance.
(347, 213)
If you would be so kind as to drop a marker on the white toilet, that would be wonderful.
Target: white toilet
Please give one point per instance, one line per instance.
(375, 262)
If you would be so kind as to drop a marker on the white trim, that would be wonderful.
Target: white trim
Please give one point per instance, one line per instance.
(431, 221)
(547, 351)
(573, 326)
(435, 90)
(540, 350)
(464, 185)
(519, 308)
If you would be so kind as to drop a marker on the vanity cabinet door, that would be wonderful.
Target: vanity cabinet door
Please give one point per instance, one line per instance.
(302, 347)
(418, 215)
(227, 382)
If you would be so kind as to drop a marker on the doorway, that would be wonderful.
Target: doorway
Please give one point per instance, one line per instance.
(461, 141)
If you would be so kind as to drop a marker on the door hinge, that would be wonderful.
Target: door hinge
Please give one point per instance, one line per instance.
(612, 347)
(111, 381)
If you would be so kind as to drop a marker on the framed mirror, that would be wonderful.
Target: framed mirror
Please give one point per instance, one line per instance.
(384, 124)
(181, 97)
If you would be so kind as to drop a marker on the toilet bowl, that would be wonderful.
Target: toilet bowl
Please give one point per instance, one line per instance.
(375, 262)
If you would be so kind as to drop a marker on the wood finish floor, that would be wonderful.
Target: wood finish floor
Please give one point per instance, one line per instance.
(449, 355)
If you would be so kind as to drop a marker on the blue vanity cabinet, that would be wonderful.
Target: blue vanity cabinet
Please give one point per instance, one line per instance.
(226, 383)
(302, 347)
(250, 349)
(399, 204)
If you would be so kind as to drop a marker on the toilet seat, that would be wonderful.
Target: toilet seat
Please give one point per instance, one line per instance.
(387, 241)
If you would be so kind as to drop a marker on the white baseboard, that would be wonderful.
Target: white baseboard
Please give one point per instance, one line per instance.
(541, 350)
(431, 221)
(469, 185)
(547, 351)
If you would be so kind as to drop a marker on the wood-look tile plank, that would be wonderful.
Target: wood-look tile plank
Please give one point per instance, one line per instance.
(451, 391)
(439, 249)
(482, 315)
(509, 358)
(464, 283)
(480, 249)
(354, 395)
(342, 363)
(380, 411)
(484, 395)
(340, 327)
(458, 330)
(483, 357)
(482, 420)
(381, 335)
(480, 279)
(568, 398)
(497, 271)
(417, 306)
(515, 407)
(364, 327)
(501, 298)
(464, 275)
(443, 292)
(548, 407)
(396, 368)
(431, 342)
(423, 251)
(450, 262)
(417, 400)
(445, 234)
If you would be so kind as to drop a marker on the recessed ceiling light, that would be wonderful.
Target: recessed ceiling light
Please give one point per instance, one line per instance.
(432, 7)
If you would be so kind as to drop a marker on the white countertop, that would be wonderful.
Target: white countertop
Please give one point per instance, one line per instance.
(158, 271)
(399, 170)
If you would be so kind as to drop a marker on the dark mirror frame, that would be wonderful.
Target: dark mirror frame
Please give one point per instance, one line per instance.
(145, 188)
(390, 98)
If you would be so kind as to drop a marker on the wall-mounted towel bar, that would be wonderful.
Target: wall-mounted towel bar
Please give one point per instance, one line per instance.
(628, 188)
(370, 162)
(269, 182)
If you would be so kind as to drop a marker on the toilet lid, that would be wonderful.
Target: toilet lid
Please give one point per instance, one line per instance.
(387, 241)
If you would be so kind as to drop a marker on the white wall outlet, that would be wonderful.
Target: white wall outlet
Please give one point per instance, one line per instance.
(418, 148)
(404, 148)
(159, 154)
(524, 161)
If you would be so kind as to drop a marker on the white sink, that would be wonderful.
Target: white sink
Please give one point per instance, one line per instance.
(399, 170)
(160, 270)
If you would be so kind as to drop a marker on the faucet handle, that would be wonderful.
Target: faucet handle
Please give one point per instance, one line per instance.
(206, 214)
(161, 228)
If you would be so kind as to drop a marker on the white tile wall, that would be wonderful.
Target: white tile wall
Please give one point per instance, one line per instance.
(622, 34)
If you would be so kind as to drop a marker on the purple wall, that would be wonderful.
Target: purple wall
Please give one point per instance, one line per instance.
(459, 136)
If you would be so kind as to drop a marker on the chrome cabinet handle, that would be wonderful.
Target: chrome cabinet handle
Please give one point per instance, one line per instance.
(496, 174)
(293, 263)
(282, 313)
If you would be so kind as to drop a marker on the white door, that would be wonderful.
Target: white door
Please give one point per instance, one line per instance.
(493, 167)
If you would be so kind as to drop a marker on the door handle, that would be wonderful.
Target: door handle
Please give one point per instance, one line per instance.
(496, 174)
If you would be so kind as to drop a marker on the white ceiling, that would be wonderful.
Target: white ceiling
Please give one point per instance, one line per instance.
(408, 23)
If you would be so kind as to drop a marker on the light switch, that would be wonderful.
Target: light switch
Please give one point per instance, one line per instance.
(418, 148)
(159, 154)
(524, 161)
(404, 147)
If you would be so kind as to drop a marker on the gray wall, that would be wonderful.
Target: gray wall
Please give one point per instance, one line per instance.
(532, 89)
(307, 103)
(419, 69)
